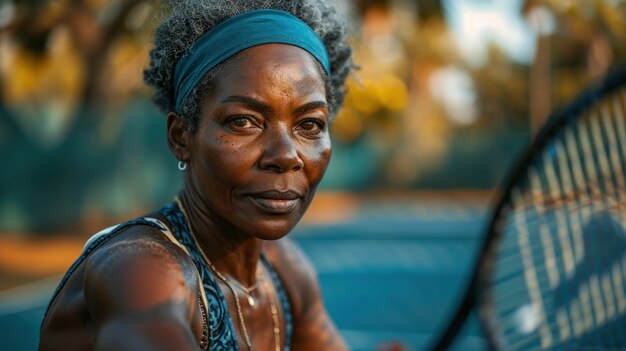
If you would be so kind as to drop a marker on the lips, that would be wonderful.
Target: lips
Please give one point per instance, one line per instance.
(276, 202)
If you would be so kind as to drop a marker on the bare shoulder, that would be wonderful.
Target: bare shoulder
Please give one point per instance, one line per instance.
(142, 286)
(313, 328)
(139, 264)
(144, 248)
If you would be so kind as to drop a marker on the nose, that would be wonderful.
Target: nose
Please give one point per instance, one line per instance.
(280, 153)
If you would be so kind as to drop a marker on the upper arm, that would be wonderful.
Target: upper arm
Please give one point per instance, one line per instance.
(141, 294)
(313, 328)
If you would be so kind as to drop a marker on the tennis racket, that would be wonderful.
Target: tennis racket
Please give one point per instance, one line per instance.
(552, 271)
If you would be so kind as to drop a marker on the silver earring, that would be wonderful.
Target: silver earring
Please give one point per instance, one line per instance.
(182, 166)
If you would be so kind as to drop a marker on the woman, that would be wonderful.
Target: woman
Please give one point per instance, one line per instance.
(249, 95)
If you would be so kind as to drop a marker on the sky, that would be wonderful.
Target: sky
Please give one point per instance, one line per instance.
(478, 24)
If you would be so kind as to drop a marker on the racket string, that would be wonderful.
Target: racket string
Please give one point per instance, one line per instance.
(578, 179)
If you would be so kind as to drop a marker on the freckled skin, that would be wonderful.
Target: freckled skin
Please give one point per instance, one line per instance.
(271, 151)
(265, 127)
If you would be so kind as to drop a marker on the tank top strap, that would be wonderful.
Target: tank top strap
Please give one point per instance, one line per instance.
(221, 329)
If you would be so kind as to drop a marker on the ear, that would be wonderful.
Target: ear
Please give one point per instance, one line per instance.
(178, 137)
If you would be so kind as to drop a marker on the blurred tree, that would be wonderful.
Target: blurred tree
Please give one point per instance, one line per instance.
(70, 53)
(420, 112)
(578, 41)
(68, 72)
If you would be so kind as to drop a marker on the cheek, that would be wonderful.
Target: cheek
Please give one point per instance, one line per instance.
(318, 157)
(224, 156)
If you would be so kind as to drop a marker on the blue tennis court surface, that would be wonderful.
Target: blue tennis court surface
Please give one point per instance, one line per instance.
(389, 280)
(385, 279)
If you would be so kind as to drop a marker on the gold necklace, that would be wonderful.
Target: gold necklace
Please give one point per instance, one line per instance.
(275, 322)
(273, 308)
(248, 290)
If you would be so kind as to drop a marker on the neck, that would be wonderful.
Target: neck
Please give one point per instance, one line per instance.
(233, 253)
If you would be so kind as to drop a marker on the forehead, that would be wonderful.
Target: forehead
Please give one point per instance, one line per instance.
(271, 67)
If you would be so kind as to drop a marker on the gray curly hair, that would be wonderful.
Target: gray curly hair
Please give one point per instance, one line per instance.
(190, 19)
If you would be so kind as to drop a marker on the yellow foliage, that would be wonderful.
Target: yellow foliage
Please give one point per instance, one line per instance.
(372, 94)
(56, 75)
(361, 97)
(613, 17)
(348, 125)
(123, 74)
(391, 92)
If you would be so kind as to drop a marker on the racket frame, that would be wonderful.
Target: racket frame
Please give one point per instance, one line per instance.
(614, 79)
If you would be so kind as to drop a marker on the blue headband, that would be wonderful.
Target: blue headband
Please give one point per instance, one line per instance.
(239, 33)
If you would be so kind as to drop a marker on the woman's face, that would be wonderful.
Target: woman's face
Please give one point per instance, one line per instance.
(262, 143)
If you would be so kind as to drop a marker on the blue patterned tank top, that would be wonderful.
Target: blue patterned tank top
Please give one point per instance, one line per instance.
(222, 334)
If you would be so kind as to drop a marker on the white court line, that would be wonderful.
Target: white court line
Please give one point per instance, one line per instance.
(27, 296)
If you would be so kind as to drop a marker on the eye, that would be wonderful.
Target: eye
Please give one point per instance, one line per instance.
(241, 122)
(312, 126)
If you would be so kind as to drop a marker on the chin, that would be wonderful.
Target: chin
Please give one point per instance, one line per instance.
(272, 229)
